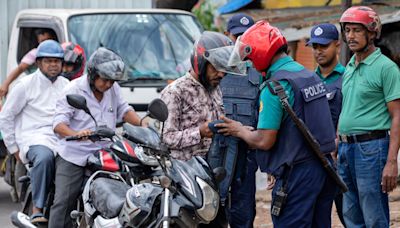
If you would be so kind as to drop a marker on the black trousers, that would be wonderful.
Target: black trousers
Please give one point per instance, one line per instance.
(68, 181)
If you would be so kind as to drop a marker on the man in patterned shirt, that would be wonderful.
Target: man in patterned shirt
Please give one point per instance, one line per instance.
(195, 99)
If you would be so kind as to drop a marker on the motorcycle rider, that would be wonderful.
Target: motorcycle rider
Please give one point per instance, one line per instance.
(74, 60)
(104, 100)
(26, 121)
(195, 99)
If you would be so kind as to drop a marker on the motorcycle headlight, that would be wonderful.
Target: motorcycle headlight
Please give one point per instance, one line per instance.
(209, 209)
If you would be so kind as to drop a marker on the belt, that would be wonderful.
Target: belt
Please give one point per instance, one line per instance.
(377, 134)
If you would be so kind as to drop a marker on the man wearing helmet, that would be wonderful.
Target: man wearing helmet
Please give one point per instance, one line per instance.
(367, 156)
(104, 100)
(303, 192)
(74, 60)
(26, 121)
(195, 99)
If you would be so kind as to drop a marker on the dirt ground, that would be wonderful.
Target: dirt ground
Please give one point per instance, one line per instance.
(263, 218)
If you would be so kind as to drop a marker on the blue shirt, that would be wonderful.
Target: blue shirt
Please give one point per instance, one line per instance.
(108, 111)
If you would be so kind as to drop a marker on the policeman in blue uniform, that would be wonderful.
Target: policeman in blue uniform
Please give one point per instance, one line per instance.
(324, 40)
(240, 97)
(303, 193)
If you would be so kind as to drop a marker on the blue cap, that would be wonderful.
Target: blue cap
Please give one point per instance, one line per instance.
(323, 34)
(239, 23)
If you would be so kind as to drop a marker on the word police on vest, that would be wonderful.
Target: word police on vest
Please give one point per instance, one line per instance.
(314, 91)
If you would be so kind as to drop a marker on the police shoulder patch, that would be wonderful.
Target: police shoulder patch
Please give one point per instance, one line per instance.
(315, 91)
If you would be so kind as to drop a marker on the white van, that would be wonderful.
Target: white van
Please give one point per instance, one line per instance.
(154, 43)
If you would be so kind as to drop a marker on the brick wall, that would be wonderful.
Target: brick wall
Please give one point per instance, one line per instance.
(304, 55)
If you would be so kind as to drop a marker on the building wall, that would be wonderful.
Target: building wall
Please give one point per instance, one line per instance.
(304, 55)
(10, 8)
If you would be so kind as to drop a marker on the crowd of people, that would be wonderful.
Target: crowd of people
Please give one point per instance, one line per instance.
(242, 78)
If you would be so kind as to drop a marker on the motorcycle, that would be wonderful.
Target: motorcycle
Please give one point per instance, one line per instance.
(177, 193)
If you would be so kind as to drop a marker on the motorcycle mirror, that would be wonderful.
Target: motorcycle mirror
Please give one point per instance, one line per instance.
(158, 110)
(79, 102)
(219, 174)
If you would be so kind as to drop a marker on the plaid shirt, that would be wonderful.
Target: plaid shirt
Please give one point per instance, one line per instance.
(189, 105)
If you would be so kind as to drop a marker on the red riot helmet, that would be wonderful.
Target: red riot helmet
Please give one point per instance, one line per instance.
(74, 55)
(362, 15)
(259, 44)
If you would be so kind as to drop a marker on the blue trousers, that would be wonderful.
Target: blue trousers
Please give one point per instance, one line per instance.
(41, 173)
(360, 165)
(242, 209)
(310, 197)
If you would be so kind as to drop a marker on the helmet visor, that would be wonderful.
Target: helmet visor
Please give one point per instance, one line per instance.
(70, 56)
(239, 53)
(113, 70)
(219, 58)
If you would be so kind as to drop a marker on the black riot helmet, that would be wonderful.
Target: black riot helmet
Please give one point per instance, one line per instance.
(105, 64)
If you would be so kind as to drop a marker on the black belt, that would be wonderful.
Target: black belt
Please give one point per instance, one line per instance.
(377, 134)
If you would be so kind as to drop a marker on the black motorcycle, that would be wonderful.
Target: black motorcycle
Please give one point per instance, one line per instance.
(167, 193)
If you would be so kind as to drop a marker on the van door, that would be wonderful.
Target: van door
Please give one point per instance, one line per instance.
(23, 39)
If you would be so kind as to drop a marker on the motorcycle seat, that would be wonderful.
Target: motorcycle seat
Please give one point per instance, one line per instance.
(108, 196)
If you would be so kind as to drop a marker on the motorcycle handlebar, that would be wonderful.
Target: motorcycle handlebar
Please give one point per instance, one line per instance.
(98, 134)
(73, 138)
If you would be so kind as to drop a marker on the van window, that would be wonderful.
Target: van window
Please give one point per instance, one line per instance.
(153, 46)
(28, 41)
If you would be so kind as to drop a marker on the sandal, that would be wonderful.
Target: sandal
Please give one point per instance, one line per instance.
(38, 218)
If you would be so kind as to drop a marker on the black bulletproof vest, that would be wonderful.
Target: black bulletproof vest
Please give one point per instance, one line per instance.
(310, 105)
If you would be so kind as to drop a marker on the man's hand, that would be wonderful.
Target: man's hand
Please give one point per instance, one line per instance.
(389, 176)
(205, 132)
(230, 127)
(84, 134)
(3, 90)
(271, 182)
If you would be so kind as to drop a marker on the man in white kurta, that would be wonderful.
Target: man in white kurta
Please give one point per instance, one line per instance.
(26, 121)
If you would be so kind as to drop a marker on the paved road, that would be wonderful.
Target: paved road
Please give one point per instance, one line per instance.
(6, 205)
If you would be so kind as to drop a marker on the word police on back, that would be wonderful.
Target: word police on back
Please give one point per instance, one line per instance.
(314, 91)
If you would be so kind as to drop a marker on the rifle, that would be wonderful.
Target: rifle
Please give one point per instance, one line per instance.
(313, 143)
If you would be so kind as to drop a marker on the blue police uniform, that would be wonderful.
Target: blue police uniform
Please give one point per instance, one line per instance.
(310, 191)
(240, 97)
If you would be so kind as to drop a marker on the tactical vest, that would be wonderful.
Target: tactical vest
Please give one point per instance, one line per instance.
(334, 96)
(240, 97)
(310, 105)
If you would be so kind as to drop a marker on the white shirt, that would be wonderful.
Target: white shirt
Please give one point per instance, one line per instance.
(27, 115)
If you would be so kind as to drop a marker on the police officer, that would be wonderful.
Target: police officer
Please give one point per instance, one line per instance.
(324, 41)
(303, 193)
(240, 97)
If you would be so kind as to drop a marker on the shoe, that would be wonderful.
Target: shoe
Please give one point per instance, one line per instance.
(38, 218)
